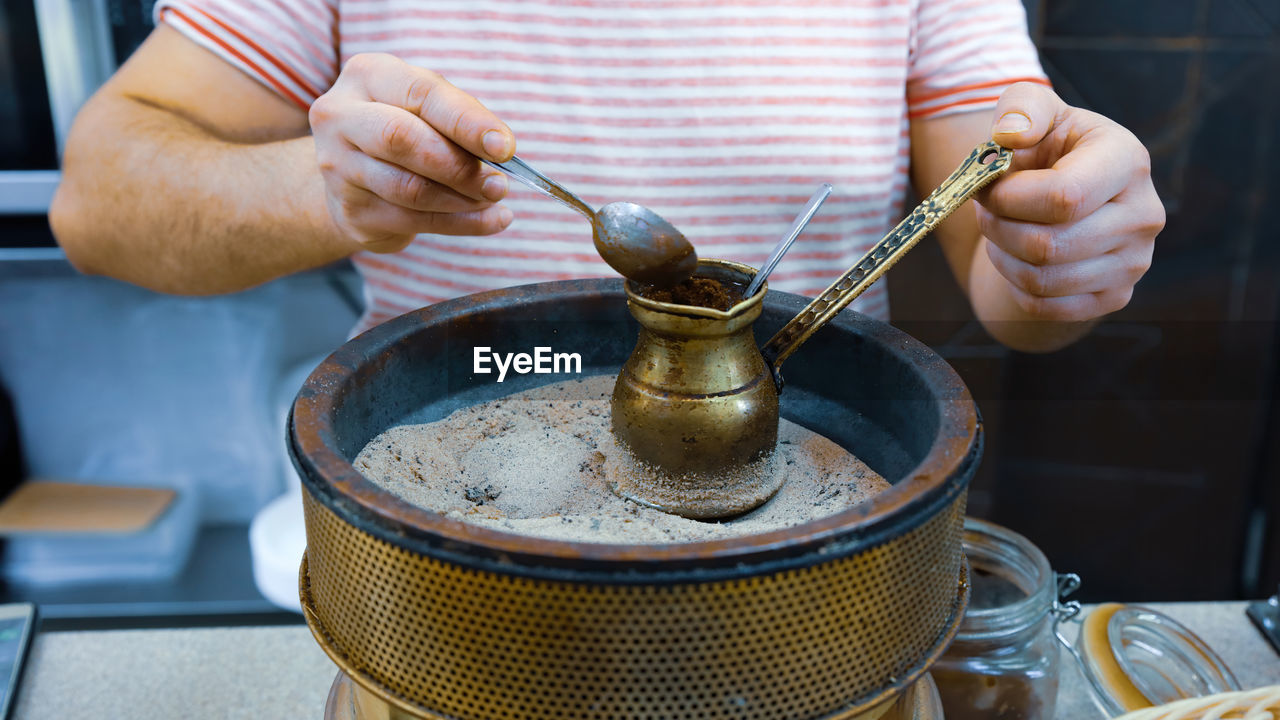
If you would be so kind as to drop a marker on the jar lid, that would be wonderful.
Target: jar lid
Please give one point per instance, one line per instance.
(1134, 658)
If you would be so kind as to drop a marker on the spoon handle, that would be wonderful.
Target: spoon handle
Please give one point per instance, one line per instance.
(984, 164)
(522, 171)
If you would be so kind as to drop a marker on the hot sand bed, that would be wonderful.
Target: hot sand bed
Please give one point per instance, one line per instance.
(540, 462)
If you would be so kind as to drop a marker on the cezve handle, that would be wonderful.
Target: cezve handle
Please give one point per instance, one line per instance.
(984, 164)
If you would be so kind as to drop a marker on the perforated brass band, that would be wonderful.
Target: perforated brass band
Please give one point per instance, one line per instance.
(830, 640)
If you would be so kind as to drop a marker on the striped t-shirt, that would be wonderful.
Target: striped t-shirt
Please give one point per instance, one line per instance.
(721, 115)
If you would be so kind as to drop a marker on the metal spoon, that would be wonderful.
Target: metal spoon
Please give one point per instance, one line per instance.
(633, 239)
(784, 244)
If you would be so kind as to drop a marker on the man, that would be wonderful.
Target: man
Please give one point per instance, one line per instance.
(244, 141)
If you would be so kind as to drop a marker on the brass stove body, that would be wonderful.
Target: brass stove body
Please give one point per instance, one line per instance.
(441, 619)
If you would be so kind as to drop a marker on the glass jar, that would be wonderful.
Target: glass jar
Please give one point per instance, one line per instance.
(1134, 658)
(1003, 664)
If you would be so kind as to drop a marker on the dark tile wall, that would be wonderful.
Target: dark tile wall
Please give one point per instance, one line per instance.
(1145, 457)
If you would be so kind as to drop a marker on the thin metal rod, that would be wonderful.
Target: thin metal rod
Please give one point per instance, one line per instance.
(784, 244)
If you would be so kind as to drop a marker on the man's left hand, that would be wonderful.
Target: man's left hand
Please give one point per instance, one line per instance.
(1072, 225)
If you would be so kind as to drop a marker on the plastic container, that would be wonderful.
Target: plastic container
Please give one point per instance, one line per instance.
(277, 535)
(156, 553)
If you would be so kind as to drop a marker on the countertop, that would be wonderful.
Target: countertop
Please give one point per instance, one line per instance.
(280, 672)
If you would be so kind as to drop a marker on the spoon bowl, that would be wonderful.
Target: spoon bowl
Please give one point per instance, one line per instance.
(642, 246)
(631, 238)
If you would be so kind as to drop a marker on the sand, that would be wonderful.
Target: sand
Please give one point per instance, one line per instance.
(538, 463)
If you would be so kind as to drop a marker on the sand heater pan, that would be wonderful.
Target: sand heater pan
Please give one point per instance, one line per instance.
(829, 619)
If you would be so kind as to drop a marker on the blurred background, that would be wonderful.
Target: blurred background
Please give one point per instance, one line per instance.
(1145, 458)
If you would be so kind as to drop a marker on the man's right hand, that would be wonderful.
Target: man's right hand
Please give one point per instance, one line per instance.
(184, 174)
(397, 147)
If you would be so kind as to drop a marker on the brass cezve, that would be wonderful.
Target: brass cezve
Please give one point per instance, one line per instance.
(696, 397)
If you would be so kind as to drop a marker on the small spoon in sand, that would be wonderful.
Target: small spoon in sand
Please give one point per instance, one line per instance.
(784, 244)
(633, 239)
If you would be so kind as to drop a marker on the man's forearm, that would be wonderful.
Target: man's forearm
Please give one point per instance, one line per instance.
(155, 199)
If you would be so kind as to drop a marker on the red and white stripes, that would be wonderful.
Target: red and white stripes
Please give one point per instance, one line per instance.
(722, 115)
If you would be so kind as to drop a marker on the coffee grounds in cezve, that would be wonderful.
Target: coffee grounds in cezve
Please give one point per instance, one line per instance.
(541, 462)
(698, 291)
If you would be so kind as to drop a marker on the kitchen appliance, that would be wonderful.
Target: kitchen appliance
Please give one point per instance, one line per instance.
(349, 701)
(432, 617)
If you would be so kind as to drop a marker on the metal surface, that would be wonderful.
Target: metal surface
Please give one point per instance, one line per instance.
(642, 246)
(24, 192)
(696, 402)
(1265, 615)
(984, 164)
(908, 416)
(524, 172)
(634, 240)
(444, 619)
(349, 701)
(75, 42)
(784, 244)
(439, 640)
